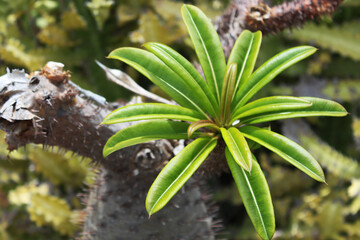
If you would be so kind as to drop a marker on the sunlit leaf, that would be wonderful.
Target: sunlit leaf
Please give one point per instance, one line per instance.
(146, 111)
(319, 107)
(207, 46)
(255, 195)
(287, 149)
(238, 147)
(177, 172)
(145, 132)
(268, 71)
(244, 54)
(187, 72)
(270, 105)
(160, 74)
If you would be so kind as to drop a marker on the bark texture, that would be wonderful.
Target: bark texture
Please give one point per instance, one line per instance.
(256, 15)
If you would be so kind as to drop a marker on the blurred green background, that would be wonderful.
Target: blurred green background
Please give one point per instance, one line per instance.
(37, 198)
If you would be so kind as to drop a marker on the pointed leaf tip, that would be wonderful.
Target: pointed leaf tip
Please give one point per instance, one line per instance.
(287, 149)
(207, 46)
(255, 194)
(238, 147)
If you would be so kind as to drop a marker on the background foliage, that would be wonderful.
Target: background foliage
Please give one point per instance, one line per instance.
(35, 182)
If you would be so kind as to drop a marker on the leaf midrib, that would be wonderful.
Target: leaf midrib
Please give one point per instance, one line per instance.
(233, 140)
(256, 203)
(169, 85)
(330, 114)
(282, 154)
(184, 69)
(153, 116)
(197, 155)
(269, 108)
(266, 76)
(207, 56)
(154, 137)
(243, 66)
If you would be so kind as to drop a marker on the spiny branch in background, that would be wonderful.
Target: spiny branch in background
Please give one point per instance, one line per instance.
(334, 161)
(231, 23)
(287, 15)
(256, 15)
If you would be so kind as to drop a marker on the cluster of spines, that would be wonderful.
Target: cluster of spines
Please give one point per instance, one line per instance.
(286, 15)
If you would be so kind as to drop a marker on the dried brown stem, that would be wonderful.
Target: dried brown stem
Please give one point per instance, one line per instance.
(255, 15)
(287, 15)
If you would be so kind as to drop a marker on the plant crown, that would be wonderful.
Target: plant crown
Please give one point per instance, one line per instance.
(217, 109)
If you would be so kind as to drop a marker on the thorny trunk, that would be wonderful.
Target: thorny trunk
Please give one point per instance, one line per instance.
(41, 110)
(45, 108)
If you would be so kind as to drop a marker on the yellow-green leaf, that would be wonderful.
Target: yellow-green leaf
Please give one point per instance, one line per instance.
(188, 73)
(147, 111)
(255, 194)
(145, 132)
(270, 105)
(287, 149)
(319, 107)
(175, 174)
(238, 147)
(160, 74)
(244, 54)
(268, 71)
(207, 46)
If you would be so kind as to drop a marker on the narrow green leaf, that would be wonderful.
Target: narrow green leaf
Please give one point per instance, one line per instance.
(238, 147)
(175, 174)
(145, 132)
(287, 149)
(319, 107)
(255, 194)
(270, 105)
(200, 124)
(147, 111)
(207, 46)
(187, 72)
(244, 54)
(268, 71)
(227, 93)
(160, 74)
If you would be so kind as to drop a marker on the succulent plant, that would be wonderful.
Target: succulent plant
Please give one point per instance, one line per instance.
(215, 109)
